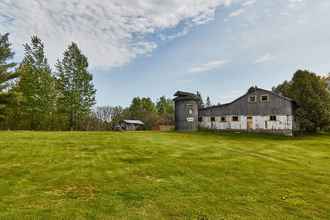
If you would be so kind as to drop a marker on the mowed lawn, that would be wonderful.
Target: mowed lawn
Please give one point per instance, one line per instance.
(154, 175)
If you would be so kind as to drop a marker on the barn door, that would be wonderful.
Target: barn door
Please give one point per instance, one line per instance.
(249, 122)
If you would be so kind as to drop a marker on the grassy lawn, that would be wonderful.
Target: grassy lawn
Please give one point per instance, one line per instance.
(153, 175)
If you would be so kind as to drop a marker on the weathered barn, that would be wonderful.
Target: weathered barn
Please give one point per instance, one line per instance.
(258, 110)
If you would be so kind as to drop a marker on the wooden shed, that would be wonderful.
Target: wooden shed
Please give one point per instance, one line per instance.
(132, 125)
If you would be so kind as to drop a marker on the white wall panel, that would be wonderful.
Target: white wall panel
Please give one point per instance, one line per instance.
(282, 122)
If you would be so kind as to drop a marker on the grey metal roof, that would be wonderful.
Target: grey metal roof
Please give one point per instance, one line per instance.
(251, 90)
(135, 122)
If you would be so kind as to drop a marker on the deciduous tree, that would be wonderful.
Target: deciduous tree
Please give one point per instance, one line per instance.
(165, 110)
(313, 100)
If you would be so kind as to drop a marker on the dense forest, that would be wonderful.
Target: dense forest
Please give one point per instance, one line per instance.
(33, 96)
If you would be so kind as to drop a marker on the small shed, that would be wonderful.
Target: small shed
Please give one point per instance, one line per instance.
(132, 125)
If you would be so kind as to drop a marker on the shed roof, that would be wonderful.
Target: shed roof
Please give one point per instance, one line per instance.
(135, 122)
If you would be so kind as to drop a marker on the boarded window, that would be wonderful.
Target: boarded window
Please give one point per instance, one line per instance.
(273, 118)
(189, 109)
(212, 119)
(223, 119)
(235, 118)
(265, 98)
(253, 98)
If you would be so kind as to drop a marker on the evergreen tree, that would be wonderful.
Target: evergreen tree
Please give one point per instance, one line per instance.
(37, 87)
(75, 86)
(200, 103)
(208, 102)
(6, 75)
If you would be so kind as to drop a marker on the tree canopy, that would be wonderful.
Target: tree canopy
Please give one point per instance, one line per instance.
(6, 73)
(75, 86)
(310, 93)
(37, 87)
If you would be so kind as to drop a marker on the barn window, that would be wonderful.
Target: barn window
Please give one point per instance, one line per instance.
(265, 98)
(212, 119)
(235, 118)
(253, 98)
(273, 118)
(223, 119)
(200, 119)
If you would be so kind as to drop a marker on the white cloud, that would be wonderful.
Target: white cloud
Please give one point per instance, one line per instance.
(236, 13)
(110, 33)
(241, 10)
(295, 1)
(248, 3)
(212, 65)
(265, 58)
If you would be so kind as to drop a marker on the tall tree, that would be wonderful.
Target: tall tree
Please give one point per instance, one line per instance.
(327, 81)
(165, 105)
(37, 86)
(74, 82)
(6, 75)
(165, 109)
(208, 102)
(283, 89)
(200, 102)
(143, 109)
(313, 100)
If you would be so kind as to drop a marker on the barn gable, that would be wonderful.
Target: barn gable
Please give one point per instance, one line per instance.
(255, 102)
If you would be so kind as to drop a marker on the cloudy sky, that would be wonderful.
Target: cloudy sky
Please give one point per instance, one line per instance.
(155, 47)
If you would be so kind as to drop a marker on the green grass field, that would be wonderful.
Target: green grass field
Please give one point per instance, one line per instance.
(153, 175)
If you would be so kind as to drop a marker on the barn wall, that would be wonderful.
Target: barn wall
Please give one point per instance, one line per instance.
(283, 124)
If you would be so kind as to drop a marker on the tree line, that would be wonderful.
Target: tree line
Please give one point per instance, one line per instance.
(35, 97)
(153, 114)
(311, 94)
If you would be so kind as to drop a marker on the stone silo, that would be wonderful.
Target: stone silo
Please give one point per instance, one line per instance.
(186, 111)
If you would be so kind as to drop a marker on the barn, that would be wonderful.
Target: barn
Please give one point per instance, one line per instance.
(258, 110)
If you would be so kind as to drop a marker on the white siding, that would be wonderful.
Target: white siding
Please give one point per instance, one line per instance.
(282, 122)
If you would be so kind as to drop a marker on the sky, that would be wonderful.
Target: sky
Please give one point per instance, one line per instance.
(151, 48)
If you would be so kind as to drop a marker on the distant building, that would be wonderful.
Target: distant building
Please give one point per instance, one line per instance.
(131, 125)
(258, 110)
